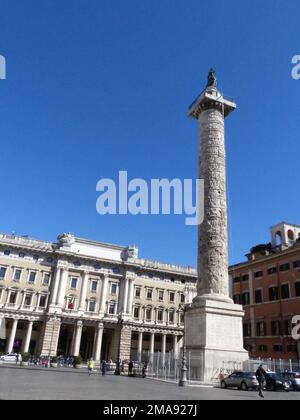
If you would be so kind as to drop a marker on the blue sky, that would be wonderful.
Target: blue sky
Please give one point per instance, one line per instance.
(94, 87)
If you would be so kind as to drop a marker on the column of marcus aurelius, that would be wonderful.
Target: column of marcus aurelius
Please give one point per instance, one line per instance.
(214, 333)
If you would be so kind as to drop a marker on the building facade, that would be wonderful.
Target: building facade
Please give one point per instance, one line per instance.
(268, 286)
(80, 297)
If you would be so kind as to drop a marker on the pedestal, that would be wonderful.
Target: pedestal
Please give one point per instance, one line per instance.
(214, 338)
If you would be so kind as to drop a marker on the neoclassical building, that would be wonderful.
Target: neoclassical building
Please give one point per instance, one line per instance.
(83, 297)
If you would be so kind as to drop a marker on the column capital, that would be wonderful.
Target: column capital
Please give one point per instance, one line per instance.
(100, 326)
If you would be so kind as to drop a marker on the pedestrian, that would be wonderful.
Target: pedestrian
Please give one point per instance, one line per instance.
(17, 358)
(130, 368)
(261, 377)
(90, 366)
(221, 377)
(103, 367)
(144, 369)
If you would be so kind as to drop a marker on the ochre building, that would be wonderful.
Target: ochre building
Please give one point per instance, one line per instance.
(268, 286)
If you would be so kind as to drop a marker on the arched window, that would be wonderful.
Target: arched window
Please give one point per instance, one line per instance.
(291, 236)
(278, 238)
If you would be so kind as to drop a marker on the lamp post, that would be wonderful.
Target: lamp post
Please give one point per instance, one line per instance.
(118, 370)
(183, 376)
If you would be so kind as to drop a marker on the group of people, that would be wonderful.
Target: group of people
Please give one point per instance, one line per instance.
(91, 365)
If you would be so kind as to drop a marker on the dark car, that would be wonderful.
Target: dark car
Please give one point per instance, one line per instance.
(294, 378)
(276, 382)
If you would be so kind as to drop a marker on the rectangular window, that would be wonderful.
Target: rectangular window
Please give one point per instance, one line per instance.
(181, 318)
(149, 294)
(297, 289)
(284, 267)
(276, 328)
(246, 299)
(92, 306)
(245, 277)
(287, 327)
(17, 275)
(114, 289)
(285, 291)
(27, 301)
(136, 312)
(172, 297)
(74, 282)
(148, 314)
(13, 298)
(236, 279)
(273, 294)
(237, 299)
(32, 277)
(263, 348)
(171, 317)
(258, 274)
(247, 330)
(94, 286)
(160, 315)
(261, 329)
(112, 308)
(2, 272)
(43, 301)
(161, 295)
(296, 264)
(138, 292)
(292, 348)
(272, 270)
(182, 298)
(258, 296)
(278, 348)
(46, 279)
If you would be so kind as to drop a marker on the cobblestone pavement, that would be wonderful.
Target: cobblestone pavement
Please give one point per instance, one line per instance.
(68, 384)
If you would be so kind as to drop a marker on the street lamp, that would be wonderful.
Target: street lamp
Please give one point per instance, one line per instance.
(183, 376)
(118, 367)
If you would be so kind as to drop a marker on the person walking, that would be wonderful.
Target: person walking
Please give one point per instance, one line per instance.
(130, 368)
(90, 366)
(103, 367)
(261, 377)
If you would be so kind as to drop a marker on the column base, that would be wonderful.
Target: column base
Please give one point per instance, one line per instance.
(214, 337)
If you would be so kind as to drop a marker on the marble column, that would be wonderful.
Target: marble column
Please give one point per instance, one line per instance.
(130, 296)
(140, 346)
(163, 347)
(83, 293)
(125, 296)
(12, 336)
(175, 346)
(104, 294)
(62, 288)
(98, 342)
(77, 341)
(55, 287)
(152, 343)
(28, 337)
(213, 323)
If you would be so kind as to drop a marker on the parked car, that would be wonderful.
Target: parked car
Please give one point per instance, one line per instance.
(240, 380)
(276, 382)
(11, 357)
(294, 378)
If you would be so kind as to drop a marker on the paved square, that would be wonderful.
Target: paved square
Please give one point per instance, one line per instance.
(69, 384)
